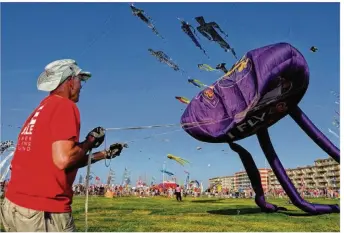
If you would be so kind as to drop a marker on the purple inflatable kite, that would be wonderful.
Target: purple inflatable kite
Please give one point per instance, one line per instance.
(263, 87)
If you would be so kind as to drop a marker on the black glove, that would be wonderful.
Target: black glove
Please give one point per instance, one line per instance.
(115, 150)
(96, 136)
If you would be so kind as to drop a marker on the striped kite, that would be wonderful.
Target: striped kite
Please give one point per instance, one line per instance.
(145, 18)
(162, 57)
(206, 67)
(183, 99)
(197, 83)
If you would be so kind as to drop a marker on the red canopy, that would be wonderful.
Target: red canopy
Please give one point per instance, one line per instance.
(167, 185)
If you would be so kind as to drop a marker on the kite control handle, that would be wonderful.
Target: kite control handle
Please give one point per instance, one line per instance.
(115, 150)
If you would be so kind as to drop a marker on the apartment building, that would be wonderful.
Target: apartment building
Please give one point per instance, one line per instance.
(324, 173)
(243, 182)
(224, 181)
(240, 180)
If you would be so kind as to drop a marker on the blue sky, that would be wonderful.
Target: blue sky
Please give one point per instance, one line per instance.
(129, 87)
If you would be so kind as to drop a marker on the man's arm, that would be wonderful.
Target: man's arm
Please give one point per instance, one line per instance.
(68, 154)
(77, 157)
(100, 155)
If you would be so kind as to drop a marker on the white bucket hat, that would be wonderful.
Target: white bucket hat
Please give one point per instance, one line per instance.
(57, 72)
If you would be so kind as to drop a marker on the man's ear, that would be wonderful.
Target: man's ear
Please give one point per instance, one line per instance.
(71, 83)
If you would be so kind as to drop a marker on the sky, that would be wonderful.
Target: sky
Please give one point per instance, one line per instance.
(129, 87)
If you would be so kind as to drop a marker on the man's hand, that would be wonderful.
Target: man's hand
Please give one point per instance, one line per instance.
(115, 150)
(96, 136)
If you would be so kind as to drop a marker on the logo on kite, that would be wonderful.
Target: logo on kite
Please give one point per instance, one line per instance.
(208, 93)
(243, 64)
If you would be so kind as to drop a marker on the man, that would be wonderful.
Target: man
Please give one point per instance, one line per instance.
(178, 193)
(48, 155)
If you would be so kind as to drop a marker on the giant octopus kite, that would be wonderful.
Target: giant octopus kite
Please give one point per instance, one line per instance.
(263, 87)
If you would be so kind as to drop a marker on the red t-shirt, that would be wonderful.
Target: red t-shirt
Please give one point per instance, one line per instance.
(36, 182)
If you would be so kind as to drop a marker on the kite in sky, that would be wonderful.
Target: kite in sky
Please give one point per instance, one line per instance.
(162, 57)
(167, 172)
(197, 83)
(205, 67)
(336, 123)
(336, 118)
(208, 31)
(186, 27)
(145, 18)
(268, 97)
(222, 66)
(335, 94)
(5, 145)
(178, 159)
(183, 99)
(334, 133)
(313, 49)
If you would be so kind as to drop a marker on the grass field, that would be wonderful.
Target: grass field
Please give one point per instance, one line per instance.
(202, 214)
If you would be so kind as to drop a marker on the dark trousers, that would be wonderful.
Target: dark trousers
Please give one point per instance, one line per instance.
(179, 196)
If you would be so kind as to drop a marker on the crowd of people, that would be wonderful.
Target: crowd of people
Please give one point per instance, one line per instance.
(155, 190)
(142, 191)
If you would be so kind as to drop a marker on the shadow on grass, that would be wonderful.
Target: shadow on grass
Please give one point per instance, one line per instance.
(239, 211)
(205, 201)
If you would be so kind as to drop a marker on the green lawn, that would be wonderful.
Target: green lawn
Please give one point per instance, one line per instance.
(202, 214)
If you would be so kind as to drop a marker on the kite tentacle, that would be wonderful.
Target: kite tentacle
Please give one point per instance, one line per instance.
(314, 133)
(254, 176)
(286, 183)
